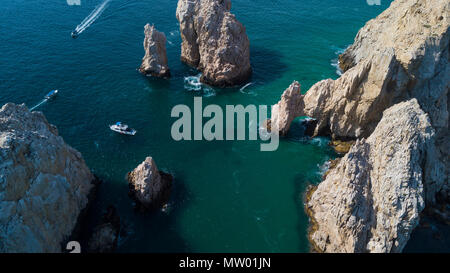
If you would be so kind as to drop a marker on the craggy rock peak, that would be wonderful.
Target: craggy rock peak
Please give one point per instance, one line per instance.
(154, 62)
(149, 187)
(401, 54)
(289, 107)
(397, 56)
(214, 41)
(44, 183)
(370, 202)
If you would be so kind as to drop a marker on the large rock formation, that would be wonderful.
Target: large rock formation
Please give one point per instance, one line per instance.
(214, 41)
(44, 183)
(149, 187)
(401, 54)
(154, 62)
(370, 201)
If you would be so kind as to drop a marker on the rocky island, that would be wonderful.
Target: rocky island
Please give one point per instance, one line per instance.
(44, 183)
(214, 42)
(154, 62)
(392, 99)
(149, 187)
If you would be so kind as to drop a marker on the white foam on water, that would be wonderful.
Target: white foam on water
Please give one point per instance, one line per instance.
(92, 17)
(335, 62)
(192, 83)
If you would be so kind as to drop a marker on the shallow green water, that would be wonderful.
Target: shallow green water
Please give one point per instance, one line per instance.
(228, 196)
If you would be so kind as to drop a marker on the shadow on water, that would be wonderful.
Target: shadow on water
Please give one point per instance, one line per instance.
(153, 231)
(159, 232)
(267, 65)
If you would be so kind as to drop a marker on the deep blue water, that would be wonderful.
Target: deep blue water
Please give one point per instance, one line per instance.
(228, 196)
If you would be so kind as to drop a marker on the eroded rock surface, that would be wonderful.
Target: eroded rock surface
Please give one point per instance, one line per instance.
(44, 183)
(149, 187)
(370, 201)
(288, 108)
(214, 41)
(154, 62)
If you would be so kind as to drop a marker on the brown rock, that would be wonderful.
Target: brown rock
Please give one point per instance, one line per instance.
(214, 41)
(149, 187)
(154, 62)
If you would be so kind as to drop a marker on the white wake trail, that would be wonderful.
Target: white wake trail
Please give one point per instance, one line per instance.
(92, 17)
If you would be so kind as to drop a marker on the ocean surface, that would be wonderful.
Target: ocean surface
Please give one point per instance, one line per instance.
(227, 196)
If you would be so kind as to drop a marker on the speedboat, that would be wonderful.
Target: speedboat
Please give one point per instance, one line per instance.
(51, 94)
(123, 129)
(74, 34)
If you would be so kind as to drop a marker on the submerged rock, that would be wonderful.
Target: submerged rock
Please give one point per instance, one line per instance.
(106, 235)
(154, 62)
(44, 183)
(214, 41)
(371, 201)
(149, 187)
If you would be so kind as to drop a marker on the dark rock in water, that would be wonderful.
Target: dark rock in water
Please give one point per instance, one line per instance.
(310, 126)
(105, 237)
(149, 187)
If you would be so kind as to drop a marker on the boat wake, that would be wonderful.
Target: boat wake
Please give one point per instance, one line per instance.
(92, 17)
(39, 104)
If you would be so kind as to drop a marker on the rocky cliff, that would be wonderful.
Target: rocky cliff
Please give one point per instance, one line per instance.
(44, 183)
(154, 62)
(400, 56)
(371, 200)
(214, 41)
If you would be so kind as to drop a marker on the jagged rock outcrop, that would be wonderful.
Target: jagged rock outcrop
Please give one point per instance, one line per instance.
(402, 54)
(287, 109)
(370, 201)
(154, 62)
(149, 187)
(214, 41)
(44, 183)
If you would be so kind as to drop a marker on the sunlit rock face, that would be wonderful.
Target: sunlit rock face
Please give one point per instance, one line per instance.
(44, 183)
(371, 200)
(154, 62)
(214, 41)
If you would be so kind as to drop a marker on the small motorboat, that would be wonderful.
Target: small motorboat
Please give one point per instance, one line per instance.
(51, 94)
(123, 129)
(74, 34)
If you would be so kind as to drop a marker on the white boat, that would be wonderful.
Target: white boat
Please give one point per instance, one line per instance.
(123, 129)
(51, 94)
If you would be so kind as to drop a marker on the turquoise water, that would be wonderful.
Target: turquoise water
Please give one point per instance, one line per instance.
(228, 196)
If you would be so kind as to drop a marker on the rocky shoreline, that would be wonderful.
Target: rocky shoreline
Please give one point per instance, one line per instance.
(392, 99)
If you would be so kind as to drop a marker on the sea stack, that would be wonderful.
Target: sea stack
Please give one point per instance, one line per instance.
(44, 183)
(287, 109)
(214, 42)
(149, 187)
(154, 62)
